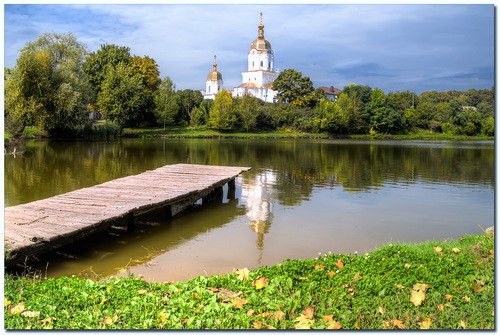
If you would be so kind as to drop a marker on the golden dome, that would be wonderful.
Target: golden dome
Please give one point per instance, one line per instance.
(214, 75)
(261, 44)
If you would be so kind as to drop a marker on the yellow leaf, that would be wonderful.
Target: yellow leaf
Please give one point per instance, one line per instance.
(441, 307)
(142, 291)
(303, 322)
(357, 276)
(331, 273)
(163, 317)
(381, 310)
(309, 312)
(386, 324)
(334, 325)
(407, 265)
(438, 249)
(425, 324)
(108, 320)
(47, 320)
(463, 324)
(260, 282)
(400, 286)
(319, 266)
(455, 250)
(29, 314)
(250, 312)
(466, 299)
(328, 318)
(279, 315)
(398, 323)
(448, 297)
(243, 273)
(417, 297)
(17, 309)
(238, 303)
(340, 264)
(6, 302)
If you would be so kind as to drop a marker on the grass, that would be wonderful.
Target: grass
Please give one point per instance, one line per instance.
(200, 132)
(436, 285)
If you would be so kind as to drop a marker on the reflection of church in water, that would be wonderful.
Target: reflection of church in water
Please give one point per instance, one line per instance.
(257, 195)
(259, 77)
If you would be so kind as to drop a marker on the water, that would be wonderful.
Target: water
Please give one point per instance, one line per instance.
(301, 198)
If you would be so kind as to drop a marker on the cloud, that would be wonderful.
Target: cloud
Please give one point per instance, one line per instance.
(394, 47)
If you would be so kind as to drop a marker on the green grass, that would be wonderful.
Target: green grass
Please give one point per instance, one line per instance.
(370, 291)
(200, 132)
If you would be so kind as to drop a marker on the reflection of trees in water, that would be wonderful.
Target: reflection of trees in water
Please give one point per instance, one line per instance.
(257, 194)
(300, 165)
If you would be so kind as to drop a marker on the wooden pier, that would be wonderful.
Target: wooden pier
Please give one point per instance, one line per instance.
(43, 225)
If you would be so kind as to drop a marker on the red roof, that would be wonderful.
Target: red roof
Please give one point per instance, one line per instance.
(331, 90)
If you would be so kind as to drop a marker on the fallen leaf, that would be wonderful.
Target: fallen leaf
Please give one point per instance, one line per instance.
(418, 293)
(6, 302)
(340, 264)
(466, 299)
(448, 297)
(417, 297)
(357, 276)
(29, 314)
(309, 312)
(108, 320)
(319, 266)
(238, 303)
(334, 325)
(250, 312)
(47, 320)
(331, 273)
(302, 278)
(260, 282)
(463, 324)
(492, 252)
(478, 288)
(213, 289)
(455, 250)
(386, 324)
(407, 265)
(398, 323)
(279, 315)
(303, 322)
(142, 291)
(328, 318)
(441, 307)
(400, 286)
(163, 317)
(425, 324)
(17, 309)
(381, 310)
(243, 273)
(438, 249)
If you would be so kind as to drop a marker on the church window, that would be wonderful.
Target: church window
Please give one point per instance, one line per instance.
(253, 64)
(208, 89)
(261, 63)
(269, 66)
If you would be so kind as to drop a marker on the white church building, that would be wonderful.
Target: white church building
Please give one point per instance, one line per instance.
(258, 79)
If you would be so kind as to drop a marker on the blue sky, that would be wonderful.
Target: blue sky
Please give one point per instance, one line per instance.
(393, 47)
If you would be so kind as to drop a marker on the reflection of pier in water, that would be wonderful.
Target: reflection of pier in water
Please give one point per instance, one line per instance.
(258, 195)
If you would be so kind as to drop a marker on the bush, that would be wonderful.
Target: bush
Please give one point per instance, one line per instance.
(489, 126)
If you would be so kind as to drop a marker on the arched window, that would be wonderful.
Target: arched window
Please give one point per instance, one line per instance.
(269, 66)
(261, 63)
(208, 89)
(253, 64)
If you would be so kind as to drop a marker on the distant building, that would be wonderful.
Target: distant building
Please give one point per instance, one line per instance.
(259, 77)
(214, 82)
(331, 93)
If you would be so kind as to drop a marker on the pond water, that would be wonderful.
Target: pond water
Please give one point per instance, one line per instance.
(301, 198)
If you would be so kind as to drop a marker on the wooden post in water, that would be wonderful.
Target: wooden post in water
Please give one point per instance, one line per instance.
(216, 194)
(231, 189)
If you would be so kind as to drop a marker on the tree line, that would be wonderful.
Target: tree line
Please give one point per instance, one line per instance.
(57, 82)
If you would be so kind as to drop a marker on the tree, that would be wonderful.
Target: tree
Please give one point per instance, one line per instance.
(292, 87)
(147, 68)
(97, 63)
(387, 120)
(377, 99)
(248, 111)
(48, 87)
(335, 119)
(222, 114)
(167, 102)
(189, 99)
(199, 115)
(122, 95)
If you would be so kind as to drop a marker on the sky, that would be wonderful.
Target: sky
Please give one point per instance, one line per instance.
(394, 47)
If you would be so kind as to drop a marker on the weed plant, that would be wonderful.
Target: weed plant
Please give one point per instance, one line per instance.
(432, 285)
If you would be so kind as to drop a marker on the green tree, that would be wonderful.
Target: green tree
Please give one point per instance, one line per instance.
(248, 111)
(166, 102)
(199, 115)
(48, 87)
(489, 126)
(335, 118)
(121, 97)
(222, 114)
(189, 99)
(97, 63)
(147, 68)
(377, 99)
(387, 120)
(292, 87)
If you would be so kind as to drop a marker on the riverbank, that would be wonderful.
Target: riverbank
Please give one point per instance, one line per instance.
(190, 132)
(432, 285)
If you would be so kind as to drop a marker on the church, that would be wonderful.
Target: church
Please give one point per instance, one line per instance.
(259, 77)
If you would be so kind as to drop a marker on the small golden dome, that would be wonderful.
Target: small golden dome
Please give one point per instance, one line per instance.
(214, 75)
